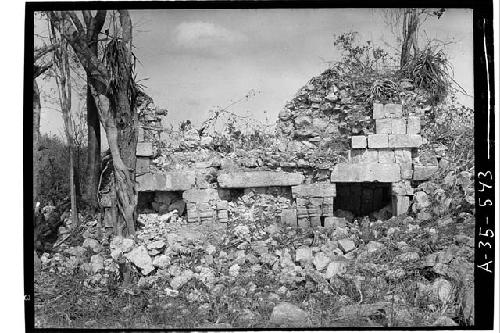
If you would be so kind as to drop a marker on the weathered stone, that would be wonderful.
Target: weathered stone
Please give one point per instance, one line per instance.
(144, 149)
(161, 261)
(366, 172)
(314, 190)
(289, 217)
(304, 254)
(92, 244)
(383, 126)
(374, 246)
(303, 121)
(402, 155)
(320, 261)
(358, 141)
(413, 125)
(398, 126)
(406, 170)
(400, 204)
(142, 165)
(140, 257)
(423, 172)
(140, 134)
(387, 111)
(289, 315)
(364, 156)
(180, 280)
(405, 141)
(303, 222)
(259, 179)
(205, 195)
(97, 263)
(334, 222)
(206, 141)
(171, 181)
(346, 245)
(420, 201)
(402, 188)
(378, 141)
(386, 156)
(336, 267)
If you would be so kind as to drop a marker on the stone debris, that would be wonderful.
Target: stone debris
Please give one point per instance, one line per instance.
(139, 257)
(288, 315)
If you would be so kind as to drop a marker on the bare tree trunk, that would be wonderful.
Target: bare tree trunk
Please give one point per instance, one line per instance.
(410, 28)
(72, 186)
(36, 139)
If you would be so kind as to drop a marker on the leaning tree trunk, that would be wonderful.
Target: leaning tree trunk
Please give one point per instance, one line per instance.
(36, 139)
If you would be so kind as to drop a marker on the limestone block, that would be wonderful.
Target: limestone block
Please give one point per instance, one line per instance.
(358, 141)
(364, 156)
(403, 155)
(404, 141)
(198, 196)
(335, 222)
(423, 172)
(140, 134)
(413, 126)
(393, 110)
(406, 170)
(142, 165)
(400, 204)
(259, 179)
(289, 217)
(402, 188)
(151, 182)
(179, 180)
(378, 141)
(378, 111)
(314, 190)
(303, 222)
(366, 172)
(223, 216)
(387, 111)
(315, 221)
(144, 149)
(386, 156)
(398, 126)
(383, 126)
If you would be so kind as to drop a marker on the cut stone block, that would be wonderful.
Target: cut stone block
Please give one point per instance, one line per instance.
(151, 182)
(378, 141)
(400, 204)
(387, 111)
(315, 221)
(144, 149)
(398, 126)
(303, 222)
(289, 217)
(198, 196)
(358, 141)
(366, 172)
(378, 111)
(335, 222)
(403, 155)
(404, 141)
(142, 165)
(406, 170)
(383, 126)
(423, 172)
(140, 134)
(259, 179)
(413, 126)
(364, 156)
(402, 188)
(314, 190)
(171, 181)
(386, 156)
(393, 110)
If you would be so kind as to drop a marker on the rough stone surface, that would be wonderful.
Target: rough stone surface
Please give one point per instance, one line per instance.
(314, 190)
(347, 245)
(366, 172)
(320, 261)
(140, 257)
(386, 156)
(336, 267)
(358, 141)
(402, 155)
(400, 204)
(198, 196)
(171, 181)
(378, 141)
(142, 165)
(405, 141)
(423, 172)
(304, 254)
(398, 126)
(259, 179)
(288, 315)
(413, 125)
(387, 111)
(383, 126)
(335, 222)
(289, 217)
(364, 156)
(144, 149)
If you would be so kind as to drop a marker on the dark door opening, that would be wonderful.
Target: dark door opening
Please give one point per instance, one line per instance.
(361, 199)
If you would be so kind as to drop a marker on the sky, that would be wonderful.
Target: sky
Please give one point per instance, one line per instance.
(194, 60)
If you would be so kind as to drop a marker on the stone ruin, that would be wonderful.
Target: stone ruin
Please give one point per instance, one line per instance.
(374, 165)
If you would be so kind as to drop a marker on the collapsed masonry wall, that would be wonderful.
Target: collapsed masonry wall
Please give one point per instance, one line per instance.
(189, 162)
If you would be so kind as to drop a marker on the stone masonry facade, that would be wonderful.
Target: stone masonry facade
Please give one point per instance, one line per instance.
(390, 155)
